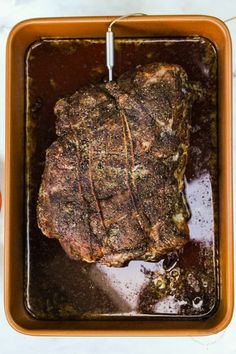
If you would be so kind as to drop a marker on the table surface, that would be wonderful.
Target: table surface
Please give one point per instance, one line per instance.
(13, 11)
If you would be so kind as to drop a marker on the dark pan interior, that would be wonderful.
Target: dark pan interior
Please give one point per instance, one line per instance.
(183, 286)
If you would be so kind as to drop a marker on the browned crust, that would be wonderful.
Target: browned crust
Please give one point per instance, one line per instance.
(122, 151)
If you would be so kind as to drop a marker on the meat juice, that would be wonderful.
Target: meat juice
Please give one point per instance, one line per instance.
(183, 285)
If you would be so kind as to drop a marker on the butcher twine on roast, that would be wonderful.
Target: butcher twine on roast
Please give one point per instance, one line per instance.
(113, 184)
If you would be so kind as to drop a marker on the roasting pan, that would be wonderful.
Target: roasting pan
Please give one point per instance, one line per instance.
(24, 35)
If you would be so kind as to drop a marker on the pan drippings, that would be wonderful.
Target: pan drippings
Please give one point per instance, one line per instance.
(184, 284)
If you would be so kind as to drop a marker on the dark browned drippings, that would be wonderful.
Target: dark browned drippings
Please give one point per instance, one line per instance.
(183, 285)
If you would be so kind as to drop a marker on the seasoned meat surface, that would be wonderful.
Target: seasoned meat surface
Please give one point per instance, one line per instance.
(113, 185)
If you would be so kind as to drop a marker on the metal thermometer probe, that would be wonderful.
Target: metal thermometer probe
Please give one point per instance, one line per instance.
(110, 44)
(110, 52)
